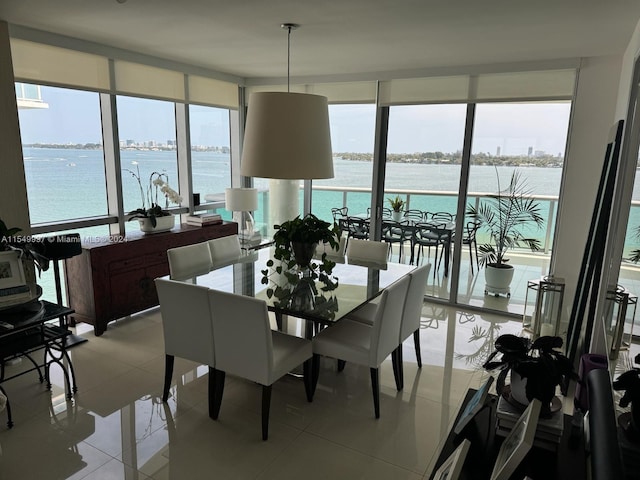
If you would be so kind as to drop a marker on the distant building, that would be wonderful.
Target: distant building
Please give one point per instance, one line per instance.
(530, 151)
(498, 151)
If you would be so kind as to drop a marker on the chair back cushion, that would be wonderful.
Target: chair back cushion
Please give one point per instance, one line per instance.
(188, 261)
(367, 251)
(324, 247)
(242, 336)
(386, 327)
(224, 250)
(414, 300)
(186, 321)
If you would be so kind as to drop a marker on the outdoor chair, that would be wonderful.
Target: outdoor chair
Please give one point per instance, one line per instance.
(469, 239)
(396, 232)
(429, 235)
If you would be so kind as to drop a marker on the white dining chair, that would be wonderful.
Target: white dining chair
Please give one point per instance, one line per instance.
(187, 327)
(410, 323)
(224, 250)
(246, 347)
(189, 260)
(362, 344)
(411, 314)
(325, 247)
(367, 251)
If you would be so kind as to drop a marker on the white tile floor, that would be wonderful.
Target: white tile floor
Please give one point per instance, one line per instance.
(118, 428)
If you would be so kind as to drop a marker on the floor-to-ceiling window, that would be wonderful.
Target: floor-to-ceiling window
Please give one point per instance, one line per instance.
(147, 131)
(424, 152)
(528, 138)
(63, 159)
(63, 155)
(352, 132)
(210, 151)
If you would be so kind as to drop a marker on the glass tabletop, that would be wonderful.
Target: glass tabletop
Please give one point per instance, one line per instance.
(350, 285)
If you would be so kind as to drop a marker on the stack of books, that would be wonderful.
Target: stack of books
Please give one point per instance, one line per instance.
(11, 295)
(548, 432)
(201, 219)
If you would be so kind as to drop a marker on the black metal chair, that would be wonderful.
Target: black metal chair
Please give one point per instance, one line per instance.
(414, 215)
(469, 239)
(396, 232)
(441, 217)
(429, 235)
(357, 228)
(340, 217)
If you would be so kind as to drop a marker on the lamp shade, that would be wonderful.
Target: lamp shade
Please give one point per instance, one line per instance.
(241, 199)
(287, 136)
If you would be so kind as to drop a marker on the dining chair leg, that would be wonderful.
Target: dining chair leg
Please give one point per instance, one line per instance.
(168, 373)
(218, 390)
(416, 343)
(315, 372)
(341, 364)
(266, 405)
(471, 258)
(375, 389)
(211, 386)
(308, 379)
(396, 361)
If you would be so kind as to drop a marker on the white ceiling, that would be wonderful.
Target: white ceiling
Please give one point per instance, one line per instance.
(339, 37)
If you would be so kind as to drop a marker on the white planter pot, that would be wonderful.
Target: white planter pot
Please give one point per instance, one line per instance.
(396, 216)
(497, 280)
(163, 224)
(519, 388)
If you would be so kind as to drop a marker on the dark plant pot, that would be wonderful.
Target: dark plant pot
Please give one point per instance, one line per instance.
(303, 252)
(635, 417)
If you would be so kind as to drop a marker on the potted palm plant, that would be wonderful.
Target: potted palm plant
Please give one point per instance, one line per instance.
(397, 204)
(505, 216)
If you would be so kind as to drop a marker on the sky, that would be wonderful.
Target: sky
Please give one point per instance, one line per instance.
(74, 117)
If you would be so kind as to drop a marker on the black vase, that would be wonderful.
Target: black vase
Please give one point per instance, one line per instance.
(303, 252)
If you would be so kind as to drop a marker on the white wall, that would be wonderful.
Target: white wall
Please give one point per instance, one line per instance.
(594, 113)
(14, 209)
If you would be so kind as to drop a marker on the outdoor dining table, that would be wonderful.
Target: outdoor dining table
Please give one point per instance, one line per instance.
(447, 227)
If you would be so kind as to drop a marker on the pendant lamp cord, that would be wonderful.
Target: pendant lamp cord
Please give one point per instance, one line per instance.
(288, 58)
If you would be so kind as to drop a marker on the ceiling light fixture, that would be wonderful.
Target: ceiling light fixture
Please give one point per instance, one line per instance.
(287, 135)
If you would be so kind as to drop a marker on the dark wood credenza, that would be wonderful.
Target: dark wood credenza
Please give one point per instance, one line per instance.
(113, 278)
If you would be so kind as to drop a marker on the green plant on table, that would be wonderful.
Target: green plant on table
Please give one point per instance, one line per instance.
(397, 204)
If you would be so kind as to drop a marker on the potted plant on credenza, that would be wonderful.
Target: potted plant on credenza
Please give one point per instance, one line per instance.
(505, 216)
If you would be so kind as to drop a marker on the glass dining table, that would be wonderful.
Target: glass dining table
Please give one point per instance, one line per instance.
(293, 293)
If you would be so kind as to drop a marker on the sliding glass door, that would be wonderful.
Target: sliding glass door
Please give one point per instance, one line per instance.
(424, 152)
(529, 139)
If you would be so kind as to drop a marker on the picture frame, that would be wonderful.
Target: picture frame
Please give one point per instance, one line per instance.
(518, 443)
(474, 405)
(11, 270)
(452, 466)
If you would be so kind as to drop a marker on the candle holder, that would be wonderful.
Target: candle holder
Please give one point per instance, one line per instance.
(619, 317)
(545, 317)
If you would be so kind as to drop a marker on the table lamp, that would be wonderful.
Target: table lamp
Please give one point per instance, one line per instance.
(243, 201)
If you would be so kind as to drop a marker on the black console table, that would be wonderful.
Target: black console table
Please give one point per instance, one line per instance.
(569, 462)
(24, 331)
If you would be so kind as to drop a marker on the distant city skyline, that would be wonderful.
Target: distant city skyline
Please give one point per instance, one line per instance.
(73, 117)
